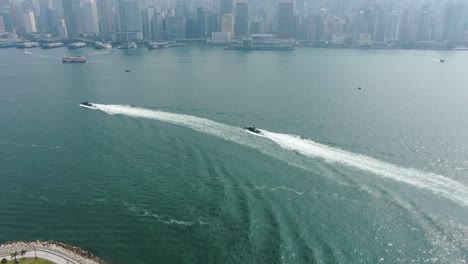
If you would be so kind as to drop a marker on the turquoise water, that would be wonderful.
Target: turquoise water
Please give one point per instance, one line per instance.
(162, 171)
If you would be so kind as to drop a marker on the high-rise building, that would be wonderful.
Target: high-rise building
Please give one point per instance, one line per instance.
(29, 22)
(17, 19)
(227, 24)
(43, 19)
(6, 19)
(285, 28)
(211, 23)
(2, 25)
(72, 18)
(242, 19)
(453, 21)
(106, 14)
(175, 27)
(157, 32)
(147, 22)
(201, 22)
(90, 17)
(62, 29)
(393, 27)
(225, 7)
(129, 20)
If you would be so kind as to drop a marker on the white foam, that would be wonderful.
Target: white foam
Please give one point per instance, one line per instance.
(437, 184)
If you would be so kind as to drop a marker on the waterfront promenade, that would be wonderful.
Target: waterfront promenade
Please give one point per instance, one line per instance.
(58, 253)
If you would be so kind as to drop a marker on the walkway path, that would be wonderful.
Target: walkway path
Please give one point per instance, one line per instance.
(56, 258)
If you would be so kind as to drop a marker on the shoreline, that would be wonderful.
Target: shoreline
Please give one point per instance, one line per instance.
(61, 251)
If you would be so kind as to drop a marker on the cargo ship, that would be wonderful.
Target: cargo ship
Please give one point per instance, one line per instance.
(79, 59)
(52, 45)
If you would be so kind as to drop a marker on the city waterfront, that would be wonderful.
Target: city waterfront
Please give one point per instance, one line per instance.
(163, 171)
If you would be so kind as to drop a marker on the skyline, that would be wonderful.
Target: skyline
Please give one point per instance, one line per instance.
(337, 21)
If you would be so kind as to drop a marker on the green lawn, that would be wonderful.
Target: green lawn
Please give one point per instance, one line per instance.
(31, 261)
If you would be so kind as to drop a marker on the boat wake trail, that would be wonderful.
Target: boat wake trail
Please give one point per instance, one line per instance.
(435, 183)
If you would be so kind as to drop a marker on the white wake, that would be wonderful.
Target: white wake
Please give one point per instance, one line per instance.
(435, 183)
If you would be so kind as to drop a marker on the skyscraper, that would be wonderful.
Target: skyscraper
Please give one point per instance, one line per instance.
(201, 21)
(210, 23)
(227, 24)
(106, 13)
(72, 18)
(29, 22)
(129, 20)
(147, 22)
(175, 27)
(2, 25)
(90, 17)
(242, 19)
(453, 21)
(286, 20)
(225, 7)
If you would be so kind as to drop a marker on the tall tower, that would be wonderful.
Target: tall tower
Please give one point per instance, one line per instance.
(30, 22)
(90, 17)
(286, 20)
(225, 7)
(227, 24)
(72, 17)
(130, 20)
(453, 21)
(242, 19)
(106, 14)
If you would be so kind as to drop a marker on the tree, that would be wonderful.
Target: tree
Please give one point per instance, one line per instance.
(4, 261)
(14, 255)
(23, 252)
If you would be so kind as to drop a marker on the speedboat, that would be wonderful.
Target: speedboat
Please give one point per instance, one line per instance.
(253, 129)
(88, 105)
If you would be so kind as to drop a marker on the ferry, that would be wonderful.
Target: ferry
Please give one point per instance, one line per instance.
(52, 45)
(79, 59)
(76, 45)
(26, 45)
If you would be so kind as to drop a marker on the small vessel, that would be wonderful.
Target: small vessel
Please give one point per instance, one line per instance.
(87, 105)
(78, 59)
(441, 60)
(253, 129)
(102, 45)
(127, 70)
(128, 45)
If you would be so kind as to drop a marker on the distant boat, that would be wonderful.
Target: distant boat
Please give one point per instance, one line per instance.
(127, 70)
(128, 45)
(253, 129)
(79, 59)
(441, 60)
(102, 45)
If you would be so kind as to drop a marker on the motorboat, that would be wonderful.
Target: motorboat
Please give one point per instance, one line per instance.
(253, 129)
(88, 105)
